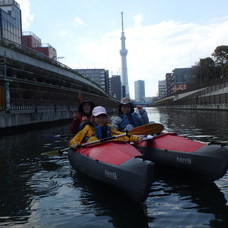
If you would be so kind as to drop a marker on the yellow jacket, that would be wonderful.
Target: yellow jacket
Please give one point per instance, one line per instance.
(89, 131)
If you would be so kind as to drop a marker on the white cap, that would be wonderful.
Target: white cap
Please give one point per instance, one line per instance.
(98, 111)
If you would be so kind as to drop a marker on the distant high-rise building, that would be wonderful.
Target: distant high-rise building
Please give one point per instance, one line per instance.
(179, 79)
(162, 92)
(182, 77)
(139, 91)
(123, 53)
(169, 83)
(115, 86)
(10, 21)
(99, 76)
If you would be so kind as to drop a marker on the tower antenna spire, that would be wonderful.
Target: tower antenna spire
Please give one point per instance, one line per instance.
(122, 21)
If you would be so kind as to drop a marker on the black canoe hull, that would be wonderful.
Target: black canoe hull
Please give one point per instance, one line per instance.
(133, 177)
(209, 162)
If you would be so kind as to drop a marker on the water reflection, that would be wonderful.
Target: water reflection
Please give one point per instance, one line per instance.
(38, 191)
(196, 122)
(19, 161)
(105, 201)
(16, 167)
(204, 198)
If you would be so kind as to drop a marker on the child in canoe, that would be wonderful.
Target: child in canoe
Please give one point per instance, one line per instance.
(99, 129)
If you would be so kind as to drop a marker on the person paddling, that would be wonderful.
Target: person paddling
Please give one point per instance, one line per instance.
(128, 118)
(99, 129)
(81, 117)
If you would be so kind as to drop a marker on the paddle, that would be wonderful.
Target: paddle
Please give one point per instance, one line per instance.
(147, 129)
(61, 152)
(57, 136)
(55, 152)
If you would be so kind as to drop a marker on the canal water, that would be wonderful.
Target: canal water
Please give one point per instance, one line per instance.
(41, 191)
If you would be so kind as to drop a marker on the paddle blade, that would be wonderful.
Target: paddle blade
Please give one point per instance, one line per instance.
(48, 137)
(51, 153)
(147, 129)
(55, 152)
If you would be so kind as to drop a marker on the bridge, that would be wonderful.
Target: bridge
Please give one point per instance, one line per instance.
(35, 88)
(144, 104)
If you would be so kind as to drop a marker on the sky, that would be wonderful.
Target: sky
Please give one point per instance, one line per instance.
(160, 35)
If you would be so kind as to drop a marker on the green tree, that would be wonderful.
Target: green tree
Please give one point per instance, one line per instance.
(220, 55)
(206, 70)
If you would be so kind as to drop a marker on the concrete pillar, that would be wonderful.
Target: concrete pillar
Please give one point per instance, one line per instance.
(6, 88)
(7, 96)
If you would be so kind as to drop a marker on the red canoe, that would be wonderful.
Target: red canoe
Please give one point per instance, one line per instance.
(117, 164)
(207, 161)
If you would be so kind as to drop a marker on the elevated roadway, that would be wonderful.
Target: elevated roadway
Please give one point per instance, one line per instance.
(35, 88)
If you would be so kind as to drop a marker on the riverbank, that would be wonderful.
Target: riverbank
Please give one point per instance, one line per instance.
(223, 107)
(16, 120)
(23, 117)
(211, 97)
(34, 126)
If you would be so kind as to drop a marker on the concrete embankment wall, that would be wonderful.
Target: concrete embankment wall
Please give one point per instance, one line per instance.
(198, 107)
(213, 97)
(19, 118)
(23, 117)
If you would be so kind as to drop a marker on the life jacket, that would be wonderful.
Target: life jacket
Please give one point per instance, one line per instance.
(102, 131)
(131, 118)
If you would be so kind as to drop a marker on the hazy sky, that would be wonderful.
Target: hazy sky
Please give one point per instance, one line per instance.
(160, 35)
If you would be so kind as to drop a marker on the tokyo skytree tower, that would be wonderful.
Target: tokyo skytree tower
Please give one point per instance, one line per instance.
(123, 53)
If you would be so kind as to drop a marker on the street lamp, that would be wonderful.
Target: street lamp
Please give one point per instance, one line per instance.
(61, 57)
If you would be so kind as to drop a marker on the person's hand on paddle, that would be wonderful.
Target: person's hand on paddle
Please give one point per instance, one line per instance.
(139, 139)
(74, 146)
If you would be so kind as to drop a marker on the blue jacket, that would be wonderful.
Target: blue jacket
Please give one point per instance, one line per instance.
(131, 118)
(103, 132)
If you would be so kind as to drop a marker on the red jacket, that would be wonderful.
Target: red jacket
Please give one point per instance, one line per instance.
(76, 124)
